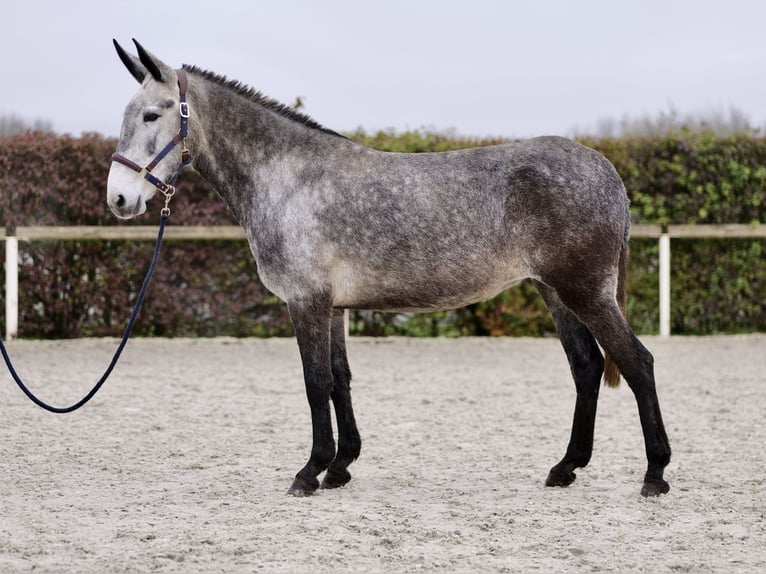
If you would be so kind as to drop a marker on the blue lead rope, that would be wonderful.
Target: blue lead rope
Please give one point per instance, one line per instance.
(117, 353)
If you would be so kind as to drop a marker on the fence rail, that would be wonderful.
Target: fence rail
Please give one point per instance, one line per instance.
(126, 233)
(11, 236)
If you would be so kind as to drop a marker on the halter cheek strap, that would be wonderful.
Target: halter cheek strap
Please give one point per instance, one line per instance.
(166, 188)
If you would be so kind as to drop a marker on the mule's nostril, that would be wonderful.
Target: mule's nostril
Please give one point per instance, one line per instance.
(120, 201)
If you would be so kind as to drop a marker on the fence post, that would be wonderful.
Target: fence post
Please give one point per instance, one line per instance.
(11, 286)
(664, 285)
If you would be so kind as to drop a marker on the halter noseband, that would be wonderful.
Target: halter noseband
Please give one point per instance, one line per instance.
(167, 189)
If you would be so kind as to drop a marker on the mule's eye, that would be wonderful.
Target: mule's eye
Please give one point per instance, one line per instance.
(151, 116)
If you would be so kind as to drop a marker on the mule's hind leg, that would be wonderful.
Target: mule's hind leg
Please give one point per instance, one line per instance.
(598, 310)
(311, 318)
(587, 366)
(349, 442)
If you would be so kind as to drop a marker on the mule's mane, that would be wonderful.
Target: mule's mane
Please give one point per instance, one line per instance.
(259, 98)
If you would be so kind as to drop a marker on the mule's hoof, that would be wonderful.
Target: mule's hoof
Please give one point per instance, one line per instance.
(303, 487)
(559, 478)
(655, 488)
(335, 479)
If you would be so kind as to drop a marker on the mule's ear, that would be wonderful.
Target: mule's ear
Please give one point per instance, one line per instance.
(152, 64)
(134, 66)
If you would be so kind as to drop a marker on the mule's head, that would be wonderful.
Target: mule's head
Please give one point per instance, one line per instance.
(151, 120)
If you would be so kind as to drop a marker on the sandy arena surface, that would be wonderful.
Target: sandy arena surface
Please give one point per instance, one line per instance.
(182, 462)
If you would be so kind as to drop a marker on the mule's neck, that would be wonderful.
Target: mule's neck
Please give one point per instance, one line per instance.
(237, 140)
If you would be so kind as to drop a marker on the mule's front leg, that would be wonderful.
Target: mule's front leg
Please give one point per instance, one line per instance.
(349, 442)
(311, 319)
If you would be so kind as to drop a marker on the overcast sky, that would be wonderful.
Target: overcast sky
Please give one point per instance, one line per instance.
(480, 67)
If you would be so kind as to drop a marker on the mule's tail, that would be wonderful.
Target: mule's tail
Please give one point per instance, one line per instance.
(611, 371)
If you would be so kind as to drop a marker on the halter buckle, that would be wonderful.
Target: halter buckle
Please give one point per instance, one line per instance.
(184, 109)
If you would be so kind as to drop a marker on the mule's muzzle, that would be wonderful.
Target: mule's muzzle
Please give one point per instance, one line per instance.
(124, 210)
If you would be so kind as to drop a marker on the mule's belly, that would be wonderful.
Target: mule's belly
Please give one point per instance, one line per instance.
(428, 290)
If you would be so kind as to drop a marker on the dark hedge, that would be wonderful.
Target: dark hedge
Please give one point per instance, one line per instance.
(206, 288)
(85, 288)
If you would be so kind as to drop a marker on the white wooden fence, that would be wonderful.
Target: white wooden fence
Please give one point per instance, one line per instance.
(228, 233)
